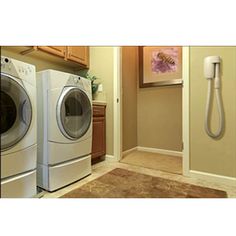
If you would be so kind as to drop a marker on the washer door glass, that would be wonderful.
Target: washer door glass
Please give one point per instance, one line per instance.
(16, 112)
(74, 112)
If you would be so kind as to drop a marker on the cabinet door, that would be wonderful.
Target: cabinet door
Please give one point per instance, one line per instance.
(55, 50)
(78, 54)
(99, 137)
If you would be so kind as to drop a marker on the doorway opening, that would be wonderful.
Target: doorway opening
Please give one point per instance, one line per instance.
(151, 120)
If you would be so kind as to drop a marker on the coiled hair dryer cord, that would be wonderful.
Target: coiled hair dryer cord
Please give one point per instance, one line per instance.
(219, 132)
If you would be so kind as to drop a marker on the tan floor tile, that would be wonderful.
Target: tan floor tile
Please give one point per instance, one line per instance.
(154, 161)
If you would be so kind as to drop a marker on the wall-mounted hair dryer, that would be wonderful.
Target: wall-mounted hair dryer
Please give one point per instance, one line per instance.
(212, 73)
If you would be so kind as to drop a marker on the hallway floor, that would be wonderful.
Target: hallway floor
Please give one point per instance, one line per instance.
(103, 167)
(156, 161)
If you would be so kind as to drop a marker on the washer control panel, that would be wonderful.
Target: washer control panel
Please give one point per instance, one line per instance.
(80, 82)
(76, 80)
(25, 70)
(6, 64)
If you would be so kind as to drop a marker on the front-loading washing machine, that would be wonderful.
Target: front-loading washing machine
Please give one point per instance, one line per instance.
(18, 129)
(64, 128)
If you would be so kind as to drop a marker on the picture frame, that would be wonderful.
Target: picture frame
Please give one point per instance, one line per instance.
(160, 66)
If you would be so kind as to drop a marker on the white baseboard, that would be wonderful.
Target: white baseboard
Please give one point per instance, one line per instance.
(160, 151)
(110, 158)
(213, 177)
(129, 151)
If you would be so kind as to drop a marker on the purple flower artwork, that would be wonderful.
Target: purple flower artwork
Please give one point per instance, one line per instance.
(165, 60)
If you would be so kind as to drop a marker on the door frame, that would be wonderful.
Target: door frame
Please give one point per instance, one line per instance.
(117, 85)
(117, 102)
(185, 110)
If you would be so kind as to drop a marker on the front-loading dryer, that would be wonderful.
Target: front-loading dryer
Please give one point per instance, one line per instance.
(64, 128)
(18, 129)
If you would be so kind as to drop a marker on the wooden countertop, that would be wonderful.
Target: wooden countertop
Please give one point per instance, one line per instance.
(101, 103)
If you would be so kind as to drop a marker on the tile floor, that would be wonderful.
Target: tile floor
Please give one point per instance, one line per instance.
(105, 166)
(156, 161)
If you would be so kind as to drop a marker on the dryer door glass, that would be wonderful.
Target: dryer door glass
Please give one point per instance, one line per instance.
(75, 113)
(16, 111)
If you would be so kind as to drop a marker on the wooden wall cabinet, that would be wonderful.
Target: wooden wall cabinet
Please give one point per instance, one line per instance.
(73, 56)
(78, 54)
(55, 50)
(99, 131)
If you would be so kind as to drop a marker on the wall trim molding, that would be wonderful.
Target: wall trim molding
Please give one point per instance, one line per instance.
(160, 151)
(213, 177)
(110, 158)
(124, 153)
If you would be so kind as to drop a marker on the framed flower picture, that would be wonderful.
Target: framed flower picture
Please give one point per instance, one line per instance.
(160, 66)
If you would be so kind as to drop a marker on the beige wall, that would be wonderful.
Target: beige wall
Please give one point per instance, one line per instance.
(207, 154)
(101, 65)
(31, 58)
(129, 99)
(157, 111)
(160, 118)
